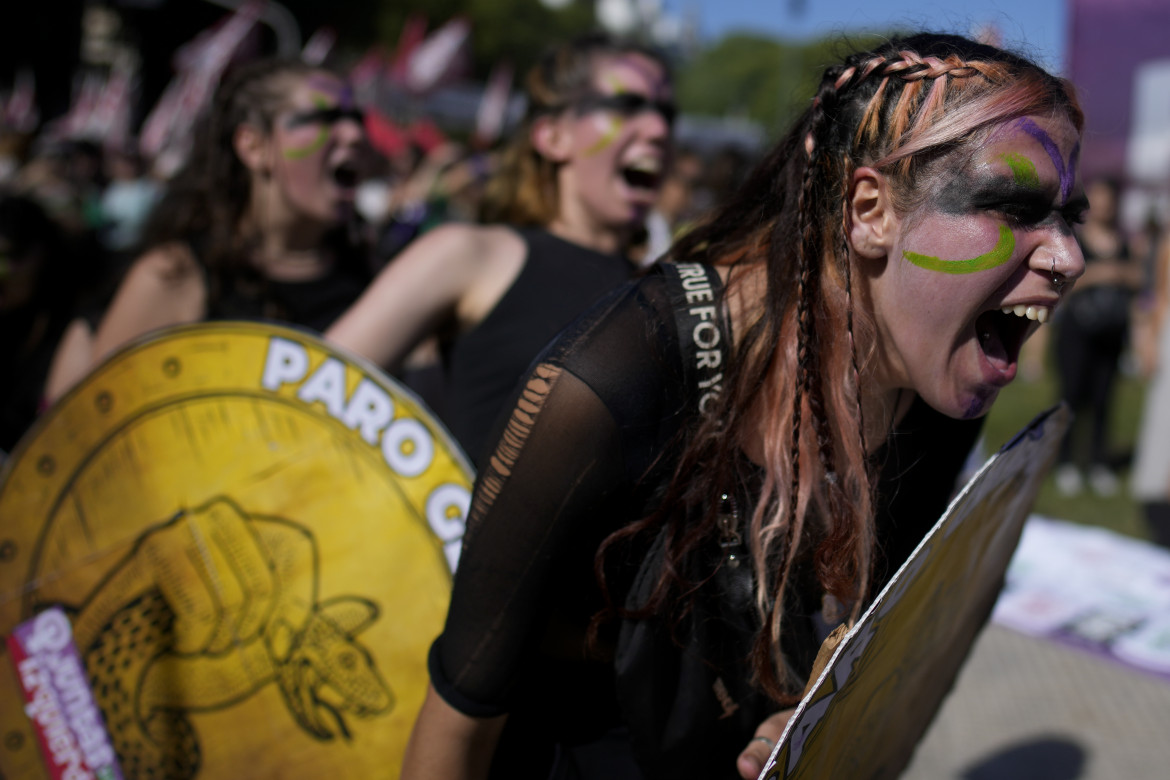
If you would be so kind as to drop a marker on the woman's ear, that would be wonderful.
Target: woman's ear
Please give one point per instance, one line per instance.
(551, 138)
(251, 146)
(872, 221)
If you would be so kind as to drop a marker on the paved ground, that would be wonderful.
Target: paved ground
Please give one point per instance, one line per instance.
(1026, 708)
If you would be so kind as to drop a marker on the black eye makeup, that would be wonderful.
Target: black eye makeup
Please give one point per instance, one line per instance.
(627, 105)
(324, 116)
(1023, 205)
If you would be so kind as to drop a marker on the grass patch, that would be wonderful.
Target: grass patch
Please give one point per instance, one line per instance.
(1021, 401)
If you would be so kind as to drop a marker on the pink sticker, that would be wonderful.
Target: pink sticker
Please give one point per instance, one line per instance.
(58, 700)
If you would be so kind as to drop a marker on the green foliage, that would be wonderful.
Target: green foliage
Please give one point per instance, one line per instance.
(763, 79)
(1021, 401)
(513, 30)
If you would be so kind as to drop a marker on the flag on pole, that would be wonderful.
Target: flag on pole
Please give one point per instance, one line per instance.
(439, 57)
(493, 106)
(412, 36)
(19, 110)
(166, 132)
(318, 46)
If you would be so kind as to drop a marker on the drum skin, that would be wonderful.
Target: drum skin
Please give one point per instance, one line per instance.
(252, 535)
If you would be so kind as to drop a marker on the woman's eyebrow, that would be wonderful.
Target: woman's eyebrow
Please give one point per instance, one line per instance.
(966, 192)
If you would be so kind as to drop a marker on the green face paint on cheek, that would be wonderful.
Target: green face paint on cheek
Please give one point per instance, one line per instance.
(615, 123)
(607, 138)
(1023, 169)
(1000, 254)
(300, 152)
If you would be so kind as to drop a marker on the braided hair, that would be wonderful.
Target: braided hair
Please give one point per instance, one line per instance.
(906, 109)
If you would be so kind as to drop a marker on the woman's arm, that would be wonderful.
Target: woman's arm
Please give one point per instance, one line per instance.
(164, 287)
(446, 743)
(453, 273)
(72, 360)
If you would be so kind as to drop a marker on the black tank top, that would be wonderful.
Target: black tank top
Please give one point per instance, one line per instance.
(311, 303)
(560, 280)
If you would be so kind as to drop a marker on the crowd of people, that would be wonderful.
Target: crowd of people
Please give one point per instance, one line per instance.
(708, 429)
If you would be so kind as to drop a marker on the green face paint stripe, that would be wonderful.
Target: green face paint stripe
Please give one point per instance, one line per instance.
(318, 142)
(1023, 169)
(615, 126)
(993, 259)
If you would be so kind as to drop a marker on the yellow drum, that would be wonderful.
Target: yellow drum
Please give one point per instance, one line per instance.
(252, 537)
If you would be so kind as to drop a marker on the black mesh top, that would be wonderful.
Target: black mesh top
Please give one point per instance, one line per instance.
(602, 402)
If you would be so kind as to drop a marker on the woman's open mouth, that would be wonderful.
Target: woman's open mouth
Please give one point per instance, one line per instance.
(1002, 332)
(643, 174)
(345, 176)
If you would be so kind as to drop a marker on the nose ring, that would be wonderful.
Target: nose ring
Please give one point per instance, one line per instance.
(1058, 279)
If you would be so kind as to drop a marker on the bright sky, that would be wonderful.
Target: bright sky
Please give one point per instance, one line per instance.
(1037, 28)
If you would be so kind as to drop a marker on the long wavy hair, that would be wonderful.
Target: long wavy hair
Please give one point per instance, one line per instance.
(206, 202)
(906, 108)
(524, 190)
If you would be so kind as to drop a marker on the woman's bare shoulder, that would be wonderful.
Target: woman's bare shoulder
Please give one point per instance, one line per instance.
(463, 241)
(172, 264)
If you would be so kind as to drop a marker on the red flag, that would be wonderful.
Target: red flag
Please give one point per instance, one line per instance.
(426, 135)
(384, 135)
(413, 33)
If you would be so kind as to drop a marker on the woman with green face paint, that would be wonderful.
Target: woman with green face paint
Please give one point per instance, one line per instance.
(257, 224)
(576, 183)
(709, 471)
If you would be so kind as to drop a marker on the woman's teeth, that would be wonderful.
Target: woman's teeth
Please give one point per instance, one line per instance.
(1038, 313)
(647, 165)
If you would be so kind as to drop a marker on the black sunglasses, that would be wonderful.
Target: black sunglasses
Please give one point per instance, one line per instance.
(326, 116)
(627, 104)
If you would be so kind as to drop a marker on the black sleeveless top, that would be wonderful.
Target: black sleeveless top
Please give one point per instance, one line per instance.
(559, 281)
(243, 294)
(312, 303)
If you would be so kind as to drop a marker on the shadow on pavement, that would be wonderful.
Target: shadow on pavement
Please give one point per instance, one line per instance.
(1047, 758)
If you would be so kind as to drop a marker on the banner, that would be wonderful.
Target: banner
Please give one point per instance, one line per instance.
(1093, 589)
(249, 538)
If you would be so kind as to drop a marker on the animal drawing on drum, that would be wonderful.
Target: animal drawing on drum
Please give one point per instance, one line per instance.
(207, 609)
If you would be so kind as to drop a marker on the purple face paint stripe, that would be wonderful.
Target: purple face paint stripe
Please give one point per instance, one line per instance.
(653, 75)
(1045, 140)
(330, 86)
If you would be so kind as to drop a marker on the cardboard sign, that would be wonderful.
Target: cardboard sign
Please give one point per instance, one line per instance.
(251, 536)
(866, 712)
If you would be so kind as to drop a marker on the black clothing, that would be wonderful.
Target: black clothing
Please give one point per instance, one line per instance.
(1091, 333)
(558, 282)
(28, 337)
(312, 303)
(598, 409)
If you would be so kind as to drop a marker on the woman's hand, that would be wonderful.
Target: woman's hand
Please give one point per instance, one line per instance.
(751, 761)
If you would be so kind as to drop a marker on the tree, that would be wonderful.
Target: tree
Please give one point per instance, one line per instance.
(760, 78)
(517, 30)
